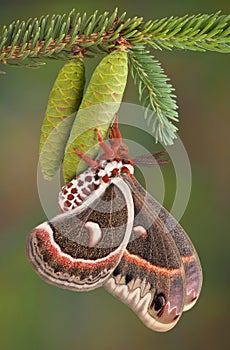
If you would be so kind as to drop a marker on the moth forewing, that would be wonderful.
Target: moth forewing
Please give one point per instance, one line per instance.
(159, 275)
(79, 249)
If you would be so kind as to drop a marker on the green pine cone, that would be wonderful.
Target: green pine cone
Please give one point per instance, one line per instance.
(99, 105)
(64, 101)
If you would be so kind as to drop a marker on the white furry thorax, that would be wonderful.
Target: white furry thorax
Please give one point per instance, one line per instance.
(77, 190)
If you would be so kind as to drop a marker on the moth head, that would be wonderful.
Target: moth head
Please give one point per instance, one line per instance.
(123, 151)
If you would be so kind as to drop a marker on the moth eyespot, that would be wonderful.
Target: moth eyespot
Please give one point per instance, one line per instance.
(159, 302)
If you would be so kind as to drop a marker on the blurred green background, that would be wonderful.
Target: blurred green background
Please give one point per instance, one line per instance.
(35, 315)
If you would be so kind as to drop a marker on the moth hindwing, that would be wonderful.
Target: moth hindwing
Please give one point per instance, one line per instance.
(159, 275)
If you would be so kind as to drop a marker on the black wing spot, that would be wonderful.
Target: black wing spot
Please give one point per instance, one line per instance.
(159, 301)
(117, 271)
(128, 278)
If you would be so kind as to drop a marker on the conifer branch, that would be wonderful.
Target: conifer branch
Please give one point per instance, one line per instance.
(155, 93)
(196, 32)
(66, 36)
(73, 35)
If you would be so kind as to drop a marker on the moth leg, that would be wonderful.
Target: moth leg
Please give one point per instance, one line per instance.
(115, 132)
(108, 150)
(91, 162)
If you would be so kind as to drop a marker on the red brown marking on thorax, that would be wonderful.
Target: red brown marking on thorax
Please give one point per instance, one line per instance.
(125, 170)
(115, 171)
(105, 178)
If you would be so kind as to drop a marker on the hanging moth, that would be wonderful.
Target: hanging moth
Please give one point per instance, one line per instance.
(113, 233)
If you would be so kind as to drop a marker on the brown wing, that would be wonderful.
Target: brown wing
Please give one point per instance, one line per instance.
(79, 249)
(159, 275)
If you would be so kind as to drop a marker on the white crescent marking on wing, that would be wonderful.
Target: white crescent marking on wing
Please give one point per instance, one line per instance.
(95, 233)
(140, 230)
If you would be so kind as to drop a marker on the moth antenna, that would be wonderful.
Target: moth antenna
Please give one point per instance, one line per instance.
(151, 159)
(159, 154)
